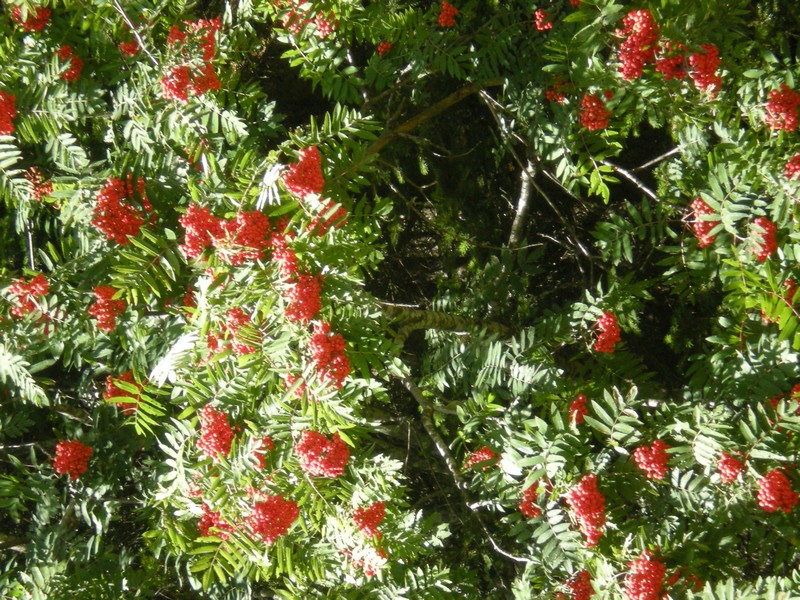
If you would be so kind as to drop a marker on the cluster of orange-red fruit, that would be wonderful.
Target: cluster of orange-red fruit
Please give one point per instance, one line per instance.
(72, 458)
(120, 209)
(26, 292)
(608, 333)
(195, 42)
(105, 309)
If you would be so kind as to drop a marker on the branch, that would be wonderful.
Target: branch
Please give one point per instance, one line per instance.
(429, 113)
(518, 226)
(444, 452)
(11, 542)
(430, 429)
(657, 159)
(135, 32)
(411, 319)
(635, 181)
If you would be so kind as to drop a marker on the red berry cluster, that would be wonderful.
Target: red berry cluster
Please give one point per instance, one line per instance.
(245, 237)
(201, 228)
(589, 505)
(528, 505)
(645, 579)
(792, 170)
(671, 61)
(236, 320)
(112, 391)
(175, 84)
(265, 444)
(73, 72)
(483, 455)
(782, 108)
(652, 459)
(193, 77)
(640, 44)
(284, 256)
(216, 434)
(704, 69)
(578, 410)
(368, 519)
(383, 47)
(327, 350)
(305, 176)
(556, 93)
(766, 230)
(271, 517)
(304, 298)
(320, 456)
(39, 187)
(8, 110)
(776, 493)
(729, 468)
(581, 586)
(105, 309)
(320, 225)
(36, 21)
(72, 458)
(25, 292)
(296, 20)
(447, 16)
(540, 20)
(129, 48)
(115, 215)
(702, 229)
(690, 580)
(213, 519)
(594, 114)
(608, 333)
(289, 380)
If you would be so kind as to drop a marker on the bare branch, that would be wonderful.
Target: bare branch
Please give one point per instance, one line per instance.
(521, 214)
(657, 159)
(135, 32)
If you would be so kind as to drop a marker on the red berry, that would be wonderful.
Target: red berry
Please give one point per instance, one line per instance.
(216, 435)
(729, 468)
(766, 230)
(447, 14)
(327, 350)
(528, 505)
(368, 519)
(702, 228)
(782, 108)
(305, 176)
(72, 458)
(105, 309)
(8, 110)
(652, 459)
(272, 517)
(776, 493)
(480, 456)
(589, 507)
(578, 410)
(645, 579)
(321, 457)
(594, 114)
(608, 333)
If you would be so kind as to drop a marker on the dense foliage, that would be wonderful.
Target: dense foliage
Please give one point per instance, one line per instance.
(389, 299)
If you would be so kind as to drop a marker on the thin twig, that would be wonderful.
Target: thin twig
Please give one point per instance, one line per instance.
(135, 32)
(633, 179)
(29, 242)
(657, 159)
(444, 452)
